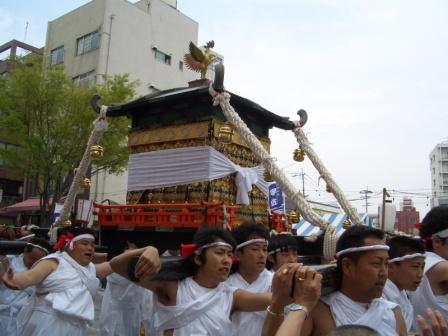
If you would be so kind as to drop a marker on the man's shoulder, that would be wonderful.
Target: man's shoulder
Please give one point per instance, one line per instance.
(439, 270)
(321, 321)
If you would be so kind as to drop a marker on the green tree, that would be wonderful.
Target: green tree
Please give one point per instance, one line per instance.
(50, 118)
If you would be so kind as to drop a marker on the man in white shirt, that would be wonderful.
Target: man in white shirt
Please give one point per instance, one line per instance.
(251, 273)
(11, 301)
(282, 249)
(405, 268)
(434, 289)
(362, 260)
(191, 296)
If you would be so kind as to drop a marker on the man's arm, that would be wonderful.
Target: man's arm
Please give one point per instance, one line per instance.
(103, 270)
(31, 277)
(145, 269)
(281, 291)
(307, 290)
(250, 302)
(401, 324)
(438, 278)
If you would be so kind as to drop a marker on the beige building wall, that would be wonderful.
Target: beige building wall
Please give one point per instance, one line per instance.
(130, 35)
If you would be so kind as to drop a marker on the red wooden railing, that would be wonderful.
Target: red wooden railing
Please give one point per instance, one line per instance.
(188, 215)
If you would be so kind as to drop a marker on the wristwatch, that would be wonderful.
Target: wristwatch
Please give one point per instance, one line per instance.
(298, 306)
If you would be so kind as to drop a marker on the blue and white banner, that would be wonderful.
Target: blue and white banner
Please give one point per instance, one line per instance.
(276, 198)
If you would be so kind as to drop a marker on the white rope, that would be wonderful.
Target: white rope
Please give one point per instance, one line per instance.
(330, 240)
(223, 100)
(99, 127)
(325, 174)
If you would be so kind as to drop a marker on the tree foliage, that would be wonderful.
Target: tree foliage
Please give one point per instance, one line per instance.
(50, 118)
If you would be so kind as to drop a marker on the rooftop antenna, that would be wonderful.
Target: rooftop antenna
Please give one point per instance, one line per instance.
(26, 30)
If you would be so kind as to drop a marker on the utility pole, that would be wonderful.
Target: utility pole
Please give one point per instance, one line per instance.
(383, 208)
(366, 193)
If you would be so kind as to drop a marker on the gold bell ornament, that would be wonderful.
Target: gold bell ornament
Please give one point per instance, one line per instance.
(293, 217)
(299, 154)
(346, 224)
(67, 222)
(96, 152)
(225, 134)
(85, 183)
(267, 176)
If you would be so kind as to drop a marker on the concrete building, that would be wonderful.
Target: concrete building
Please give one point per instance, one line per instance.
(146, 39)
(406, 217)
(439, 174)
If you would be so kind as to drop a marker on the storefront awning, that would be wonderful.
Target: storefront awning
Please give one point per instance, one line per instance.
(305, 228)
(31, 204)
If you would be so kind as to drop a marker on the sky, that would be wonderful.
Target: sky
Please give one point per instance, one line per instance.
(370, 74)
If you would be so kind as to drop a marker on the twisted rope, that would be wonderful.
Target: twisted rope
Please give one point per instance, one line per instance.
(223, 100)
(325, 174)
(99, 127)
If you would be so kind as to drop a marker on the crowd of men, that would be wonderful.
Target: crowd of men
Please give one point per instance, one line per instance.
(239, 282)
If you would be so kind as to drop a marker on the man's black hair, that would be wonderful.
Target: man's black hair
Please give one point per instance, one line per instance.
(250, 230)
(354, 236)
(282, 242)
(435, 221)
(40, 242)
(402, 245)
(186, 267)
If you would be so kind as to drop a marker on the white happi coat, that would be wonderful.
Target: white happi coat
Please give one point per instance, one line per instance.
(63, 301)
(378, 315)
(250, 323)
(393, 294)
(121, 309)
(198, 311)
(423, 297)
(148, 313)
(11, 301)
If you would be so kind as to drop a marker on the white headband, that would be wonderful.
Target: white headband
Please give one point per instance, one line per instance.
(406, 257)
(199, 250)
(80, 237)
(362, 249)
(27, 237)
(442, 234)
(252, 241)
(39, 247)
(282, 249)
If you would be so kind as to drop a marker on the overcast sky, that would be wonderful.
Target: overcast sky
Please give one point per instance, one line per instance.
(372, 76)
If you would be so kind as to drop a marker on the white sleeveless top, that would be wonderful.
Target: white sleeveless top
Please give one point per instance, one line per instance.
(11, 301)
(246, 323)
(68, 290)
(393, 294)
(121, 309)
(378, 315)
(199, 311)
(423, 297)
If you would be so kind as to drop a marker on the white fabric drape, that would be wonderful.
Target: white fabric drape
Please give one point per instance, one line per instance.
(171, 167)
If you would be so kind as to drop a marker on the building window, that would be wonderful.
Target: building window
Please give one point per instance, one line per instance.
(181, 65)
(162, 57)
(87, 43)
(57, 56)
(86, 79)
